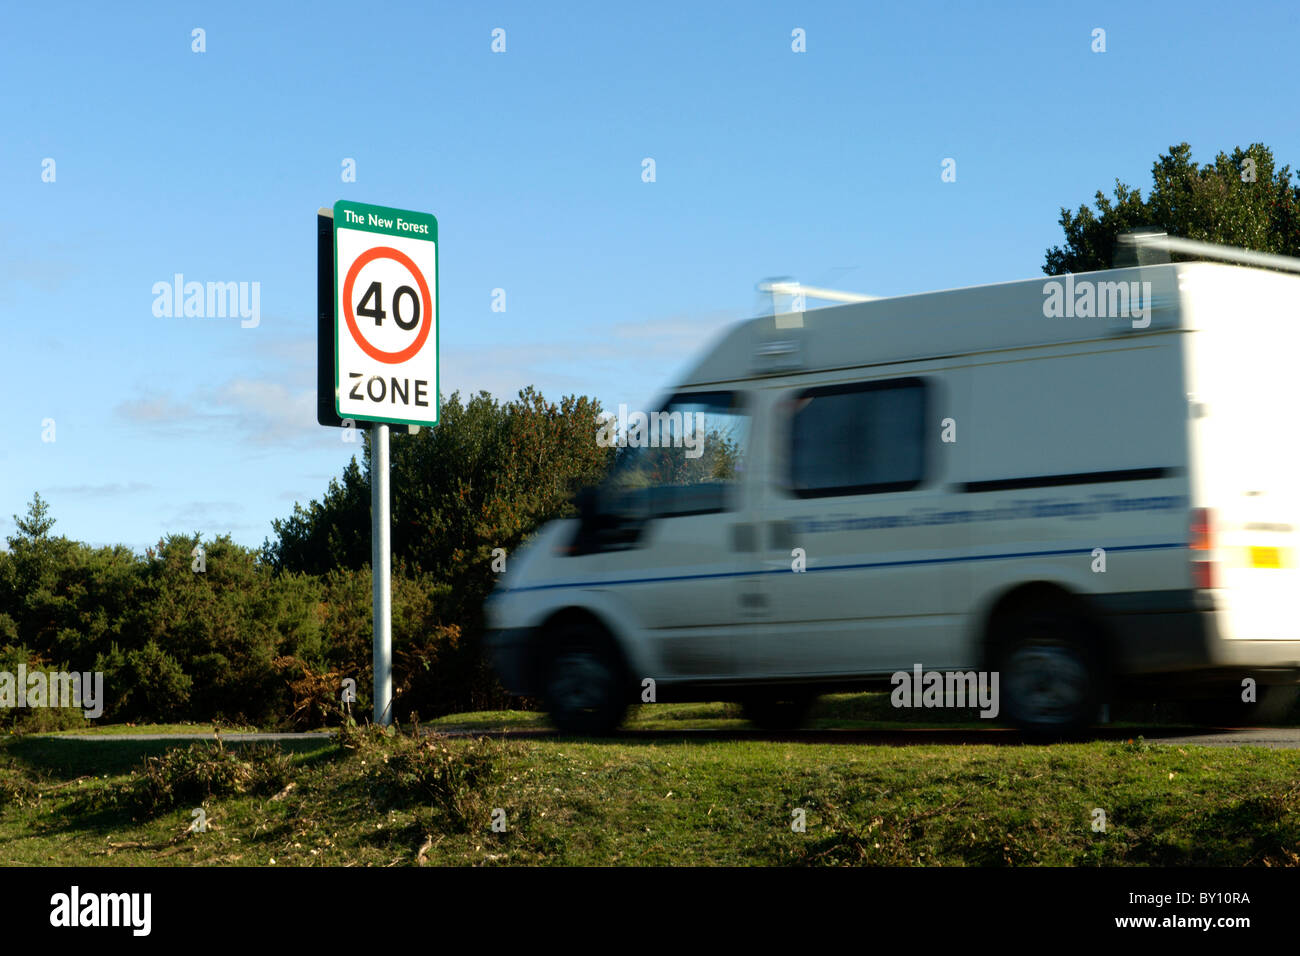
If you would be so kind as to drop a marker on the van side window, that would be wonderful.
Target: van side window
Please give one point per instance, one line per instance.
(682, 459)
(860, 438)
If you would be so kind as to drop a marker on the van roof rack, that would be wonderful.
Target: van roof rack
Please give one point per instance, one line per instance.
(1209, 250)
(792, 288)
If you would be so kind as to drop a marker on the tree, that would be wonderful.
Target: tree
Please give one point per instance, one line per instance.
(32, 592)
(484, 478)
(331, 533)
(62, 600)
(37, 523)
(1240, 200)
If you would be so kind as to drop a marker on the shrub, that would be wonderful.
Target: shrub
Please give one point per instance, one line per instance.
(316, 698)
(449, 777)
(16, 789)
(144, 684)
(35, 720)
(189, 776)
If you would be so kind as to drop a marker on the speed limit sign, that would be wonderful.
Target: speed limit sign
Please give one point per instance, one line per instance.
(385, 314)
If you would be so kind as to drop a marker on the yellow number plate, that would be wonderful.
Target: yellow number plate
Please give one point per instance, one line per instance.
(1266, 557)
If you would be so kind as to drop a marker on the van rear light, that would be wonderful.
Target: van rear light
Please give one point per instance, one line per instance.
(1202, 529)
(1201, 543)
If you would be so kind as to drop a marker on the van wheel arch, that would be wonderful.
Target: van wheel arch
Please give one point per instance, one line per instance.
(1041, 595)
(564, 618)
(1083, 629)
(577, 631)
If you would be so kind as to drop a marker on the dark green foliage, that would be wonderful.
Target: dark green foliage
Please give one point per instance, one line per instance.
(1210, 203)
(145, 684)
(331, 533)
(267, 637)
(64, 600)
(485, 478)
(188, 776)
(35, 719)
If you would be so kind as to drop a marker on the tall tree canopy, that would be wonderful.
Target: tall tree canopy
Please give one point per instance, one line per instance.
(484, 478)
(1242, 199)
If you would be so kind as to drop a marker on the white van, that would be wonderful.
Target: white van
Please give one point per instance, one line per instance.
(1087, 485)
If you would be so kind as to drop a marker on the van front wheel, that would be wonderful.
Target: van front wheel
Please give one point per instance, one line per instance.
(583, 688)
(1048, 673)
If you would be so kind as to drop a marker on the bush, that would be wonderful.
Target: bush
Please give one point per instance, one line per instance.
(317, 698)
(265, 637)
(487, 477)
(35, 720)
(16, 789)
(174, 639)
(189, 776)
(144, 684)
(449, 777)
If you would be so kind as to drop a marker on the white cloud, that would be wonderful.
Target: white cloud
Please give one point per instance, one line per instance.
(109, 490)
(277, 407)
(212, 517)
(604, 361)
(266, 412)
(269, 411)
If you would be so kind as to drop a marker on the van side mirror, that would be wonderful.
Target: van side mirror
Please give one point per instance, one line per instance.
(605, 524)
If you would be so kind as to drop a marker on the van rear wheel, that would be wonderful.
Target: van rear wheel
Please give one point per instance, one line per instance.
(584, 687)
(1049, 674)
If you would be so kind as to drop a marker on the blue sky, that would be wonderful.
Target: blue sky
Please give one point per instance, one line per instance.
(823, 165)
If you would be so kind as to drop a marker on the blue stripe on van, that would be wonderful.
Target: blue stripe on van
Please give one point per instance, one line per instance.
(846, 567)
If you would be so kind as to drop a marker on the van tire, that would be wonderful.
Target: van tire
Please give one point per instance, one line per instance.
(778, 711)
(583, 683)
(1049, 675)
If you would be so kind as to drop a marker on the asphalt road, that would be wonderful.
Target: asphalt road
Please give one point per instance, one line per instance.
(1278, 738)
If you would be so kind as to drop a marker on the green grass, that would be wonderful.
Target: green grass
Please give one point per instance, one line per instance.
(637, 801)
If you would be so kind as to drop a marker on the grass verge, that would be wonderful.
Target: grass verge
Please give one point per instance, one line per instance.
(375, 799)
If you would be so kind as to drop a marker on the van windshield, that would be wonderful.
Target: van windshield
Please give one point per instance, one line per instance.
(680, 459)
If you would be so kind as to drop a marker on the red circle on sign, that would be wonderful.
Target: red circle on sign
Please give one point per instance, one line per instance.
(379, 355)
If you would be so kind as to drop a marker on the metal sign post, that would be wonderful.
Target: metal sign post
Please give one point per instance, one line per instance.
(377, 362)
(381, 568)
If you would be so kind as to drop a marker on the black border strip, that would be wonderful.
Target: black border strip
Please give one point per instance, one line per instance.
(1082, 478)
(325, 411)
